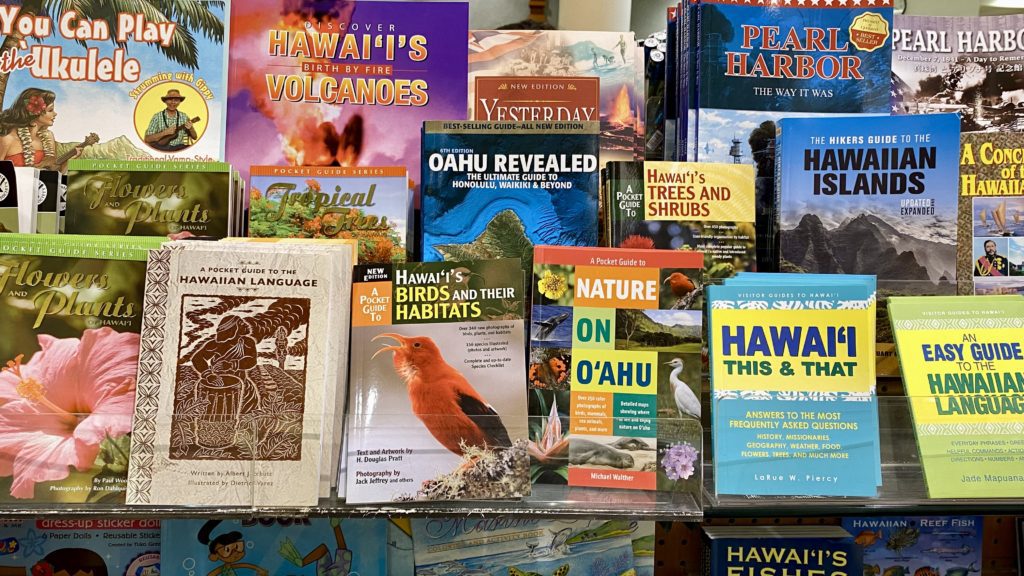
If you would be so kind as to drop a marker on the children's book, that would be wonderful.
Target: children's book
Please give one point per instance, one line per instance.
(8, 198)
(97, 546)
(990, 227)
(871, 196)
(185, 199)
(507, 546)
(756, 63)
(708, 208)
(780, 549)
(609, 57)
(496, 189)
(235, 398)
(71, 308)
(372, 205)
(342, 84)
(963, 371)
(278, 546)
(437, 410)
(116, 81)
(614, 372)
(919, 544)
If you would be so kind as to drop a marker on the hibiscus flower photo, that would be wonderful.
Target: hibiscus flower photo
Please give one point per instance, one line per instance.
(64, 410)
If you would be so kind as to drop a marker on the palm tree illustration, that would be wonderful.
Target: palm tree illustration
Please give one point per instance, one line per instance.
(192, 17)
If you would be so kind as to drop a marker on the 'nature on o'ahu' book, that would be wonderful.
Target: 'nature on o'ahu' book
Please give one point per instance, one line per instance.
(496, 189)
(114, 81)
(871, 196)
(372, 205)
(437, 410)
(343, 83)
(615, 365)
(149, 198)
(71, 311)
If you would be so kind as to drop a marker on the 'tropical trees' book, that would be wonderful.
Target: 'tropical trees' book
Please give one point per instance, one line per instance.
(759, 62)
(242, 348)
(990, 227)
(115, 81)
(71, 311)
(344, 83)
(932, 544)
(871, 196)
(437, 409)
(614, 373)
(149, 198)
(963, 371)
(372, 205)
(496, 189)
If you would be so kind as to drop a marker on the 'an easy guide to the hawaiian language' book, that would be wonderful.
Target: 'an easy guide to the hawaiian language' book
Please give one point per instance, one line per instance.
(437, 409)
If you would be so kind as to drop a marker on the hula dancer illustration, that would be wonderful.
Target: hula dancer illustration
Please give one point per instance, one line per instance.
(227, 548)
(991, 263)
(170, 129)
(70, 562)
(25, 136)
(340, 564)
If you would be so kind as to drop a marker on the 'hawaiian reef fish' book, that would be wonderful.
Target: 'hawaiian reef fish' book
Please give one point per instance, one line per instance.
(343, 83)
(922, 545)
(966, 65)
(536, 55)
(149, 198)
(759, 62)
(871, 196)
(115, 81)
(496, 189)
(101, 547)
(372, 205)
(509, 546)
(990, 227)
(767, 550)
(614, 375)
(708, 208)
(437, 410)
(236, 388)
(963, 371)
(792, 382)
(71, 311)
(278, 546)
(47, 200)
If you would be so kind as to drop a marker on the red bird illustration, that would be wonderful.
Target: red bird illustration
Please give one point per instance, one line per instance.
(680, 284)
(447, 404)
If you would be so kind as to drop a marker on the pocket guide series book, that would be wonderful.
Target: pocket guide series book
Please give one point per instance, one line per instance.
(437, 410)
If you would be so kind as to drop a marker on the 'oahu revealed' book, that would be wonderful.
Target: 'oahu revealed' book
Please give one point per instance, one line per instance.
(437, 410)
(495, 190)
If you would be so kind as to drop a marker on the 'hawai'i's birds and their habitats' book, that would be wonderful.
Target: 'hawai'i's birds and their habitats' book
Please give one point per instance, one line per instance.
(155, 198)
(759, 62)
(437, 410)
(768, 550)
(614, 371)
(97, 546)
(708, 208)
(71, 311)
(497, 189)
(792, 382)
(919, 545)
(963, 372)
(279, 546)
(990, 223)
(519, 546)
(237, 379)
(114, 81)
(871, 196)
(342, 83)
(372, 205)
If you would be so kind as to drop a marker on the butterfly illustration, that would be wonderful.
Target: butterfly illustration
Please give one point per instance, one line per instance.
(560, 571)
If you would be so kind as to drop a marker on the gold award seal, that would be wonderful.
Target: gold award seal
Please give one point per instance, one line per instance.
(869, 31)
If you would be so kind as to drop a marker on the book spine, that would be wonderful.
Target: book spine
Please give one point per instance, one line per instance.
(772, 236)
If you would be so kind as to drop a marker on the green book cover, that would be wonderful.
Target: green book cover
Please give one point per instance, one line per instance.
(71, 311)
(963, 369)
(186, 199)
